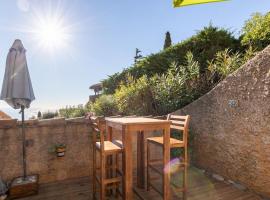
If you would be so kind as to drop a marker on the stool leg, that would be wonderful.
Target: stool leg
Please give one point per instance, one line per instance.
(109, 171)
(147, 167)
(115, 171)
(94, 172)
(102, 176)
(185, 173)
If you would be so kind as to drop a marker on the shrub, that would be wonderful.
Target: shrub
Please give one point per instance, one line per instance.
(49, 115)
(135, 97)
(73, 111)
(226, 62)
(176, 88)
(256, 31)
(105, 105)
(159, 94)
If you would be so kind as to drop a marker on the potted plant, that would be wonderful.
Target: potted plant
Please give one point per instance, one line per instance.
(59, 149)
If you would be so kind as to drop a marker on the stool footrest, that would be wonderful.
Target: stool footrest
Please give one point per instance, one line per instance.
(156, 189)
(155, 169)
(113, 180)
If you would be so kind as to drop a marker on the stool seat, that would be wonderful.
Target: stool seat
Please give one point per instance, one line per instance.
(173, 142)
(109, 147)
(118, 143)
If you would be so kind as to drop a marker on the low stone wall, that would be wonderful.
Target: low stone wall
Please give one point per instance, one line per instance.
(41, 136)
(231, 125)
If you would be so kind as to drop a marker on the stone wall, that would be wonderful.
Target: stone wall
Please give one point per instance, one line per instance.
(41, 137)
(231, 125)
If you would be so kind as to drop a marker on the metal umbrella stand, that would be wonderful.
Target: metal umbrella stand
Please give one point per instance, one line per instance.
(17, 91)
(24, 145)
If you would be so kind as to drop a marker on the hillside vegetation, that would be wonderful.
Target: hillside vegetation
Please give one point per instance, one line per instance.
(179, 74)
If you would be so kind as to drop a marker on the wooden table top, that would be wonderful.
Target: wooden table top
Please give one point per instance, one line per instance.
(136, 120)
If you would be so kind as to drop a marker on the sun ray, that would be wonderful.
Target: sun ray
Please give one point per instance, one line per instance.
(50, 30)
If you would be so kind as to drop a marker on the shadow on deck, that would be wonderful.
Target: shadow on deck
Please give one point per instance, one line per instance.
(201, 187)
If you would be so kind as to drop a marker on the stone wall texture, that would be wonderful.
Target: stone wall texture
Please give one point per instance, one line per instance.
(231, 125)
(41, 136)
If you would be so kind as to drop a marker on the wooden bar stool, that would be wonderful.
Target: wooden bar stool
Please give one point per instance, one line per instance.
(177, 123)
(110, 175)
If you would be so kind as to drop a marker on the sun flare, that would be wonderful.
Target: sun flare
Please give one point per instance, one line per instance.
(51, 33)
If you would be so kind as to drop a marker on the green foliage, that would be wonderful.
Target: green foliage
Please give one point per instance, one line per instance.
(73, 111)
(204, 45)
(159, 94)
(105, 105)
(226, 62)
(256, 31)
(135, 97)
(168, 40)
(166, 81)
(49, 115)
(176, 88)
(182, 84)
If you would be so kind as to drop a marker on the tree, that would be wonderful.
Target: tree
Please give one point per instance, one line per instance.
(39, 115)
(168, 40)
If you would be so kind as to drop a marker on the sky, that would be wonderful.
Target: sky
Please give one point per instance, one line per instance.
(72, 44)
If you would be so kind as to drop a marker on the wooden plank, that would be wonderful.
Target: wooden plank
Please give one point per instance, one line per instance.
(80, 189)
(179, 123)
(136, 120)
(148, 127)
(127, 163)
(109, 132)
(166, 162)
(140, 160)
(177, 127)
(178, 117)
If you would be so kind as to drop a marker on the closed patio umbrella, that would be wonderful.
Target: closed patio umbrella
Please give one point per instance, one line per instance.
(17, 89)
(179, 3)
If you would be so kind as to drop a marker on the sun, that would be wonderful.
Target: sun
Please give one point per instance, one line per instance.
(51, 32)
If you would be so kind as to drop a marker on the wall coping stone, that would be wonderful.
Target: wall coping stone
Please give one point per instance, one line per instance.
(76, 120)
(8, 123)
(53, 121)
(14, 123)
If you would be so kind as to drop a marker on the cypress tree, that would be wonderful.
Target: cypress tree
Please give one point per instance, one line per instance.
(168, 40)
(39, 115)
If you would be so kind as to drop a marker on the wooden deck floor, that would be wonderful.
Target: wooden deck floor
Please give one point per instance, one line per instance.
(201, 187)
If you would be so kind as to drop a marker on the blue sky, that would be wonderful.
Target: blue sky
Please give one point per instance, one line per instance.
(101, 39)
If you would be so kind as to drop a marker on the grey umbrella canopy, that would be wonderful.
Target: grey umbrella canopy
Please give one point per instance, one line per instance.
(17, 88)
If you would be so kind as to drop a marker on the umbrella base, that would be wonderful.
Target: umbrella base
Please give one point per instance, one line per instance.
(21, 187)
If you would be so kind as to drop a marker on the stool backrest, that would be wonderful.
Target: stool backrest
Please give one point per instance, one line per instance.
(98, 128)
(181, 123)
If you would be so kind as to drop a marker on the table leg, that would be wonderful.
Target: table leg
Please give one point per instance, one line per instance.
(166, 162)
(127, 164)
(140, 160)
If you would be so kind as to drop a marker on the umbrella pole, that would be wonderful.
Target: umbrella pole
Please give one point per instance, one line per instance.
(23, 144)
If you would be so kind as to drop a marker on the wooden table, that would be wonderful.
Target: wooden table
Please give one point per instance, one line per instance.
(139, 125)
